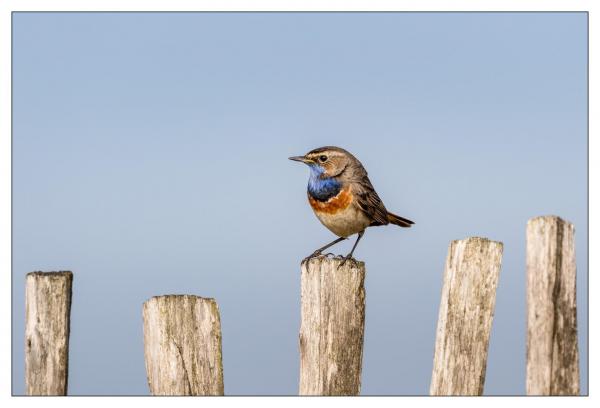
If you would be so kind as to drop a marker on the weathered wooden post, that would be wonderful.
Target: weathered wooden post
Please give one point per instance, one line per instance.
(182, 345)
(47, 323)
(465, 317)
(552, 350)
(332, 326)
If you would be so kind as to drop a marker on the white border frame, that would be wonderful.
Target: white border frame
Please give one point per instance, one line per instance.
(8, 6)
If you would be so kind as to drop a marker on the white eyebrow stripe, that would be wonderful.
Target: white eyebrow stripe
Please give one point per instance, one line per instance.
(328, 153)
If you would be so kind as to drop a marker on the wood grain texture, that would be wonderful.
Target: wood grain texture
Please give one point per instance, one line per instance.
(182, 345)
(552, 350)
(332, 326)
(47, 325)
(465, 317)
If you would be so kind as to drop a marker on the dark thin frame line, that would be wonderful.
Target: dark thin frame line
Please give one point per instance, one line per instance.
(304, 12)
(300, 12)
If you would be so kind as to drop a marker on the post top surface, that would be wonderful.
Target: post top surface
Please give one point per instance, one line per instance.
(181, 296)
(477, 240)
(547, 219)
(321, 259)
(51, 274)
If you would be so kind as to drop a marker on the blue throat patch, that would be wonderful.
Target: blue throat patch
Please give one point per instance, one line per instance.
(322, 189)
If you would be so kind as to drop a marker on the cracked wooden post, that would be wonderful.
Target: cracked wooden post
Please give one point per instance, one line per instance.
(332, 326)
(465, 317)
(47, 323)
(182, 345)
(552, 351)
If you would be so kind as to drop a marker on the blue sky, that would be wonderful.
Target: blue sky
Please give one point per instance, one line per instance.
(150, 157)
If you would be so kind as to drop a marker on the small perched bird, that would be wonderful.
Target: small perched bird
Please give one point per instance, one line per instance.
(342, 196)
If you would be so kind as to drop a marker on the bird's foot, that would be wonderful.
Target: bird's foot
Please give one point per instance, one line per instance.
(313, 255)
(346, 258)
(317, 254)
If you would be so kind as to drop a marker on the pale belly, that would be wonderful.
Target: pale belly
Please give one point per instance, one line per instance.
(346, 222)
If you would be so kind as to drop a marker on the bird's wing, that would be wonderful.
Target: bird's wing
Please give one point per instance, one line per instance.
(369, 202)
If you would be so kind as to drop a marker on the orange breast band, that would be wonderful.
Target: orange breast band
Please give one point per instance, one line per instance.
(339, 202)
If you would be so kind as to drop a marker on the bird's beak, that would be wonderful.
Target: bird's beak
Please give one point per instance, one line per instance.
(300, 159)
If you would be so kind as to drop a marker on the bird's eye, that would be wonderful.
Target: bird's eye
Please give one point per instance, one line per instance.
(323, 158)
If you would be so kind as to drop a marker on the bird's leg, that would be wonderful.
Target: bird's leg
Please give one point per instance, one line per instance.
(318, 251)
(360, 234)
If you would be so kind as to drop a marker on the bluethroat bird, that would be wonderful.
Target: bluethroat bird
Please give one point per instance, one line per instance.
(342, 196)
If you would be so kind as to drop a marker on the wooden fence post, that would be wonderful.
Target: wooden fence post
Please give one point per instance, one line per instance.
(47, 324)
(552, 351)
(182, 345)
(332, 326)
(465, 317)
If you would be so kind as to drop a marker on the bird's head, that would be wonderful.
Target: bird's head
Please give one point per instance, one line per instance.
(326, 162)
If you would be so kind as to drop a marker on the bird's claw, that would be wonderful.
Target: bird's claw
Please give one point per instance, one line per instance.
(313, 255)
(344, 259)
(334, 256)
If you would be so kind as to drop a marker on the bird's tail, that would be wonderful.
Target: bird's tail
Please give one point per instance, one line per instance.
(396, 220)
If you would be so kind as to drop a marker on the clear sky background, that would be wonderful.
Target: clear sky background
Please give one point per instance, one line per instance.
(150, 157)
